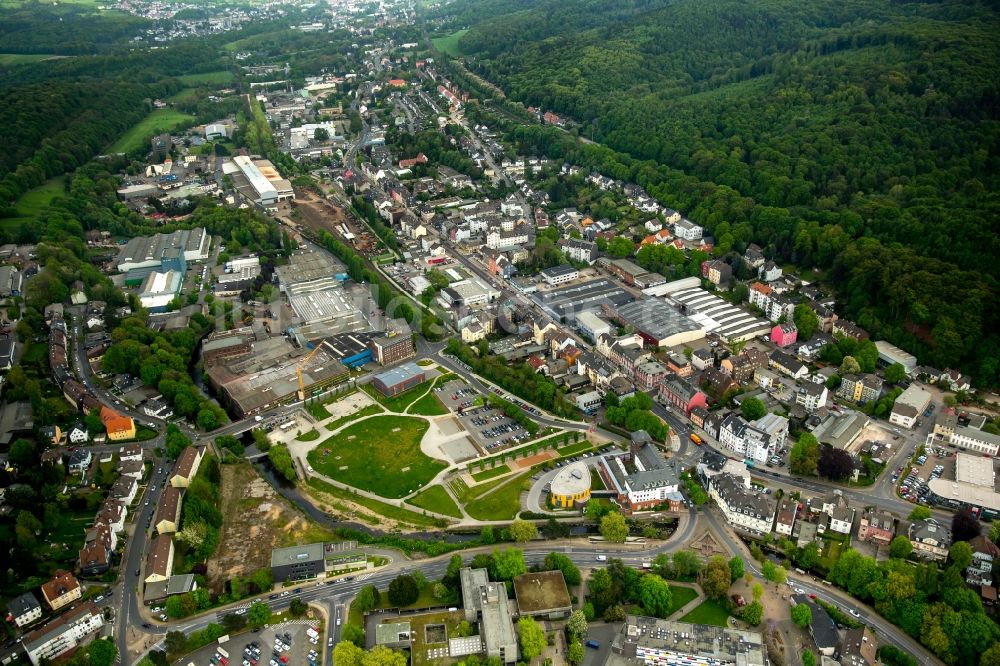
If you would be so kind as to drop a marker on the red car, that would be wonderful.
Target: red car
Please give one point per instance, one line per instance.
(812, 596)
(284, 658)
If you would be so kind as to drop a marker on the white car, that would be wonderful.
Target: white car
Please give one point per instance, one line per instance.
(855, 613)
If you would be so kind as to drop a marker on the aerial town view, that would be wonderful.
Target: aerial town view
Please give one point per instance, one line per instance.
(496, 332)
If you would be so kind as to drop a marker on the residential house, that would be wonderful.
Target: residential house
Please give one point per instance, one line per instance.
(648, 375)
(702, 358)
(754, 256)
(740, 368)
(679, 365)
(766, 379)
(687, 230)
(822, 628)
(842, 520)
(931, 540)
(79, 461)
(118, 426)
(78, 434)
(130, 452)
(124, 490)
(877, 526)
(133, 469)
(168, 511)
(718, 382)
(860, 388)
(186, 467)
(784, 518)
(61, 590)
(787, 364)
(743, 507)
(580, 250)
(62, 634)
(811, 396)
(769, 272)
(681, 394)
(955, 380)
(24, 609)
(50, 434)
(859, 648)
(756, 440)
(160, 559)
(849, 329)
(95, 556)
(784, 335)
(717, 272)
(984, 553)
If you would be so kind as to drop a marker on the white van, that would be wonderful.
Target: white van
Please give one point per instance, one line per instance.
(602, 558)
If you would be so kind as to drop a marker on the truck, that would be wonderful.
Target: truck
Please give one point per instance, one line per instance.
(222, 652)
(696, 439)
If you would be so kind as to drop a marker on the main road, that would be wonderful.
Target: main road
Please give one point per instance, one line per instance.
(337, 593)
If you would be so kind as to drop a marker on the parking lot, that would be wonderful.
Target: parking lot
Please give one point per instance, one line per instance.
(489, 428)
(287, 643)
(930, 466)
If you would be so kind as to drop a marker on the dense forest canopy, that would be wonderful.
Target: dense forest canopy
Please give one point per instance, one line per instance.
(800, 126)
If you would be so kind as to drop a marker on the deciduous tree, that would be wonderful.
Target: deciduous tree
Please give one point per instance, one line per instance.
(522, 531)
(654, 595)
(716, 578)
(801, 615)
(613, 528)
(900, 547)
(533, 640)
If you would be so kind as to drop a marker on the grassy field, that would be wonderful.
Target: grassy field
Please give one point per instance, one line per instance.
(502, 504)
(573, 449)
(436, 499)
(381, 455)
(37, 199)
(429, 405)
(379, 510)
(32, 203)
(183, 94)
(488, 474)
(708, 612)
(449, 44)
(160, 120)
(308, 436)
(679, 596)
(8, 59)
(208, 78)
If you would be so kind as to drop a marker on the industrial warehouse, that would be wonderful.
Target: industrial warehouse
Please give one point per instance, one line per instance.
(258, 181)
(659, 324)
(162, 252)
(714, 315)
(565, 303)
(276, 374)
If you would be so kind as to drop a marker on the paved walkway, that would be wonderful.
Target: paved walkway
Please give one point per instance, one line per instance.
(689, 606)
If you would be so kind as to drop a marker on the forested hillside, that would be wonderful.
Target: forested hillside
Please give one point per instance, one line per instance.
(800, 126)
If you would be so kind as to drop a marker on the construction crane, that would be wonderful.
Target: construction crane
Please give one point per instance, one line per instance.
(298, 371)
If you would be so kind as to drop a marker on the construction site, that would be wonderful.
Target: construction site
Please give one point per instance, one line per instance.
(316, 213)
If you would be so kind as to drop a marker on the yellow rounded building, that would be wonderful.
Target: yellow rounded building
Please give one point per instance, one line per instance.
(571, 486)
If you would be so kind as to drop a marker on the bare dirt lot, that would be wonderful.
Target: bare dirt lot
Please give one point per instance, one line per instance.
(254, 520)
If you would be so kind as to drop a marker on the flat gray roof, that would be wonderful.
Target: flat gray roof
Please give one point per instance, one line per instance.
(567, 302)
(400, 373)
(310, 552)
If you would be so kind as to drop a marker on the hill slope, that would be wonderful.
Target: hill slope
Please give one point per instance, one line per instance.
(802, 126)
